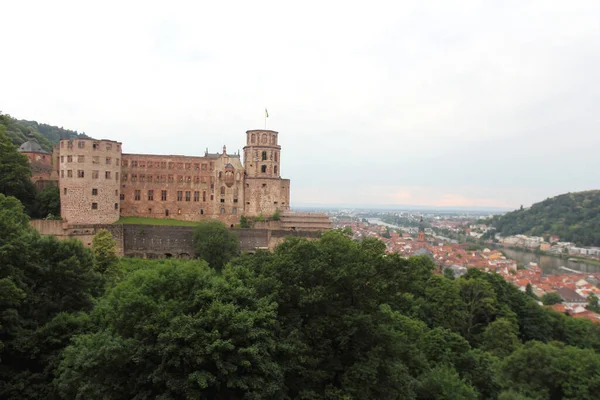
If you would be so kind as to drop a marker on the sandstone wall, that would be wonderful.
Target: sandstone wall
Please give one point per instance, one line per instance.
(89, 181)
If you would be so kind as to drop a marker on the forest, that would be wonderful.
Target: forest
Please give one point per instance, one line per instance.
(331, 318)
(46, 135)
(574, 217)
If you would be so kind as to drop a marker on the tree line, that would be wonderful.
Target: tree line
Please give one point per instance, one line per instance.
(316, 319)
(574, 217)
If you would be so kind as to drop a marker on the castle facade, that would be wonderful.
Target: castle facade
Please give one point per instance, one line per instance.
(99, 183)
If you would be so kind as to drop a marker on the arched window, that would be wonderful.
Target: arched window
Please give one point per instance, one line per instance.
(263, 169)
(222, 190)
(252, 138)
(201, 212)
(275, 170)
(220, 174)
(276, 156)
(167, 212)
(263, 139)
(264, 155)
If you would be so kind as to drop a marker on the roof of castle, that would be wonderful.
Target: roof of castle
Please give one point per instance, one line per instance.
(32, 146)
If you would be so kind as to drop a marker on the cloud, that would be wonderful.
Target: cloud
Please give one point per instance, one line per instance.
(481, 102)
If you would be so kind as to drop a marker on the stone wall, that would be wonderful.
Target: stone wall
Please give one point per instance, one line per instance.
(159, 241)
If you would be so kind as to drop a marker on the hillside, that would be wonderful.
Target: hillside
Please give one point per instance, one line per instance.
(575, 217)
(46, 135)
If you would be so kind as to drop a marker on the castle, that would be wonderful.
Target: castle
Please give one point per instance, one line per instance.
(99, 183)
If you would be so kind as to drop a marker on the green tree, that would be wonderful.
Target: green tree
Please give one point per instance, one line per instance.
(551, 298)
(197, 334)
(443, 382)
(15, 172)
(107, 262)
(276, 216)
(593, 303)
(40, 278)
(47, 203)
(215, 244)
(500, 338)
(529, 291)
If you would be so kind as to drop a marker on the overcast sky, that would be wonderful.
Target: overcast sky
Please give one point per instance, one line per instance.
(442, 103)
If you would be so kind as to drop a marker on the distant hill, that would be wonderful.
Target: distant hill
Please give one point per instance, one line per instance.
(575, 217)
(46, 135)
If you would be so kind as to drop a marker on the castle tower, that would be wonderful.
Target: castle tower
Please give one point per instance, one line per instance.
(89, 180)
(265, 191)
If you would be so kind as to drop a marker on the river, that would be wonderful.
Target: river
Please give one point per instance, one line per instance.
(550, 265)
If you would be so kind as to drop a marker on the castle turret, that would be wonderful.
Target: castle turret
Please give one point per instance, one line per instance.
(265, 191)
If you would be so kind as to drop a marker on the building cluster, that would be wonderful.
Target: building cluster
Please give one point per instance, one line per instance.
(99, 183)
(551, 245)
(574, 288)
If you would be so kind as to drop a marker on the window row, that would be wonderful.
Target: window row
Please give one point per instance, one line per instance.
(137, 195)
(95, 159)
(166, 178)
(95, 206)
(264, 139)
(169, 165)
(95, 145)
(95, 174)
(221, 211)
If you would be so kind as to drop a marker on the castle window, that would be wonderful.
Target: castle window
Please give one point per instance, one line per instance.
(95, 145)
(149, 211)
(188, 166)
(204, 195)
(170, 178)
(124, 163)
(220, 174)
(69, 173)
(94, 192)
(134, 164)
(264, 185)
(264, 156)
(81, 144)
(133, 177)
(197, 166)
(201, 212)
(122, 197)
(263, 169)
(276, 153)
(163, 195)
(188, 195)
(150, 195)
(179, 195)
(94, 206)
(108, 160)
(263, 138)
(150, 164)
(222, 190)
(95, 174)
(107, 174)
(163, 164)
(95, 160)
(252, 138)
(222, 211)
(203, 179)
(179, 165)
(234, 210)
(80, 159)
(196, 179)
(188, 179)
(108, 147)
(137, 195)
(167, 212)
(69, 158)
(222, 200)
(179, 211)
(204, 167)
(235, 200)
(142, 164)
(116, 206)
(212, 197)
(62, 173)
(196, 196)
(65, 191)
(275, 170)
(142, 178)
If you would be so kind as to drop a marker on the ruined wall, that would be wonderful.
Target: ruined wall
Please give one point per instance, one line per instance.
(83, 233)
(266, 195)
(183, 187)
(89, 181)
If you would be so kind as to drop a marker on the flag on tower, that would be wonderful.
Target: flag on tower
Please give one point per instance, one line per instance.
(266, 113)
